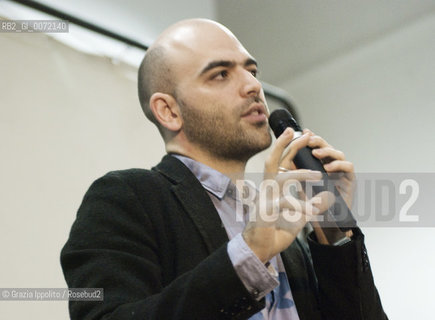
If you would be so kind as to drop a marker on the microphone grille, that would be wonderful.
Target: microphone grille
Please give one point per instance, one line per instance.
(281, 119)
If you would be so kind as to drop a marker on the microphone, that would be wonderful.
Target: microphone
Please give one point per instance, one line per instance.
(281, 119)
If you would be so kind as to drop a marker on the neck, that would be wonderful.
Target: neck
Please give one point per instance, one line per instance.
(234, 169)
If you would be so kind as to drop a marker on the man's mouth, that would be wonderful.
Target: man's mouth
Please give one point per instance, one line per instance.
(256, 113)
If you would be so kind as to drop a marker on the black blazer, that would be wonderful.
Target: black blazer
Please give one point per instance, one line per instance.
(154, 241)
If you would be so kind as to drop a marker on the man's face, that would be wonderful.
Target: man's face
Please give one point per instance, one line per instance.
(222, 103)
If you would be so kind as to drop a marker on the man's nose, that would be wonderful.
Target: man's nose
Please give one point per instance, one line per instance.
(251, 86)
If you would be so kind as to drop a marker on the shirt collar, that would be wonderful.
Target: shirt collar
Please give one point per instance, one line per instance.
(212, 180)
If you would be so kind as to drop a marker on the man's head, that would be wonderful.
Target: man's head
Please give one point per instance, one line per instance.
(198, 84)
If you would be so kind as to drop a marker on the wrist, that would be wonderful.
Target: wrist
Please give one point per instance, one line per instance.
(261, 252)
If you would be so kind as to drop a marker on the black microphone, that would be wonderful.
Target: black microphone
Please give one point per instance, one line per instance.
(281, 119)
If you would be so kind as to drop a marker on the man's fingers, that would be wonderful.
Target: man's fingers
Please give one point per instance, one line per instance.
(323, 201)
(308, 131)
(316, 205)
(290, 196)
(339, 166)
(284, 150)
(328, 152)
(294, 214)
(273, 160)
(294, 204)
(296, 176)
(294, 147)
(316, 141)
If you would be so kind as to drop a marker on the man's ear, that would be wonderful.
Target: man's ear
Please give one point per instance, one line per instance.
(166, 111)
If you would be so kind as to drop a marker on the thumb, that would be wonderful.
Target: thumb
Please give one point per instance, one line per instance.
(272, 161)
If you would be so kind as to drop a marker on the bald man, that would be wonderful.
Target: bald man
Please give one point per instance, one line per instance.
(169, 243)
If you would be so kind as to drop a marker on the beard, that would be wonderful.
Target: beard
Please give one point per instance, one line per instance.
(223, 135)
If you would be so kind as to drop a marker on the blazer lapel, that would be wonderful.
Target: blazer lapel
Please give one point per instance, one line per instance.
(195, 201)
(301, 277)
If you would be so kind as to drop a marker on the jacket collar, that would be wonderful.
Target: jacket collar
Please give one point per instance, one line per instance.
(212, 180)
(194, 200)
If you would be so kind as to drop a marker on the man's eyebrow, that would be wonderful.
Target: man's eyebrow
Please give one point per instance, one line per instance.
(250, 62)
(218, 63)
(226, 63)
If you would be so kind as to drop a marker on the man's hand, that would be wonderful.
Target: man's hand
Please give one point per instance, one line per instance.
(335, 164)
(281, 214)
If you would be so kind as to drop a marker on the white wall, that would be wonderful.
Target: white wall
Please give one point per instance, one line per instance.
(377, 101)
(377, 104)
(66, 118)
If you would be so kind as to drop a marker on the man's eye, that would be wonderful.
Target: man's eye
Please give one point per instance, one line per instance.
(254, 73)
(221, 75)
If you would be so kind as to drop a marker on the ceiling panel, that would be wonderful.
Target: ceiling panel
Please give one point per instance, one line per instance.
(289, 37)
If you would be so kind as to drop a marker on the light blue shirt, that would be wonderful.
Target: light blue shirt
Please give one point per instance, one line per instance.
(258, 280)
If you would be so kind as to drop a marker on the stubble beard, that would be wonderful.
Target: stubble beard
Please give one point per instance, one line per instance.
(214, 134)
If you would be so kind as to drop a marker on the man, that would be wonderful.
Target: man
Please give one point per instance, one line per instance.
(166, 243)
